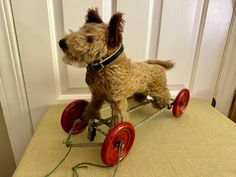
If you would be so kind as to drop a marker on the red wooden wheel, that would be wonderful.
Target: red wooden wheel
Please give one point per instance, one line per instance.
(123, 132)
(181, 102)
(72, 112)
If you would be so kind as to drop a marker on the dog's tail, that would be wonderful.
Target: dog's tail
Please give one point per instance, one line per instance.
(166, 64)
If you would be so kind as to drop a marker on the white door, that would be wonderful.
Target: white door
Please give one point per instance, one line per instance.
(192, 33)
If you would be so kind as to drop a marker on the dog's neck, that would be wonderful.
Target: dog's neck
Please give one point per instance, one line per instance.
(98, 65)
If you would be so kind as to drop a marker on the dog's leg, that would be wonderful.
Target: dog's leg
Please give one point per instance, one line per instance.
(119, 111)
(161, 97)
(92, 111)
(140, 97)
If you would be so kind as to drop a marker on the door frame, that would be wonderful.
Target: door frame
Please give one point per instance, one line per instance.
(13, 96)
(226, 82)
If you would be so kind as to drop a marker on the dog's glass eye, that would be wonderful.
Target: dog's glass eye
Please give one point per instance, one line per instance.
(89, 39)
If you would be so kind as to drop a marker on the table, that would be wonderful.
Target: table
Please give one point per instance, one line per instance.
(201, 143)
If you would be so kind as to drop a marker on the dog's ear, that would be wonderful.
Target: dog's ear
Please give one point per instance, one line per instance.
(115, 29)
(93, 16)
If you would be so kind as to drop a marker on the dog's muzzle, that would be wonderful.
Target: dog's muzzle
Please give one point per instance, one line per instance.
(62, 44)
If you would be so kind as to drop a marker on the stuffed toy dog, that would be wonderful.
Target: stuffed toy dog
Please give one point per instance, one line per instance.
(111, 75)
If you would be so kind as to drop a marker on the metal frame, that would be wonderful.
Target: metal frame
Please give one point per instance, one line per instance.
(94, 124)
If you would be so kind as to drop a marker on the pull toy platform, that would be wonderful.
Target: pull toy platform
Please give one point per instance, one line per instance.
(118, 140)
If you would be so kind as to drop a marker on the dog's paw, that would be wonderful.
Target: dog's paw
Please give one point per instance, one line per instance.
(116, 120)
(139, 97)
(158, 105)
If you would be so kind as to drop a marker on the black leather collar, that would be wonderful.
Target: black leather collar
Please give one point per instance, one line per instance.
(97, 65)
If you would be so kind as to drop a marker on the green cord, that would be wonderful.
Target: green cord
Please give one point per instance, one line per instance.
(59, 163)
(85, 164)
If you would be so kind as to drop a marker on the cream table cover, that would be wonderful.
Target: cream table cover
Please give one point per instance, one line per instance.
(201, 143)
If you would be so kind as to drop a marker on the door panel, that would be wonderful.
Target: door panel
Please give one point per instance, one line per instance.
(72, 20)
(135, 33)
(178, 37)
(212, 47)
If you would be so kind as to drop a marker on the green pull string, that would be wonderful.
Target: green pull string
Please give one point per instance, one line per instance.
(86, 164)
(59, 163)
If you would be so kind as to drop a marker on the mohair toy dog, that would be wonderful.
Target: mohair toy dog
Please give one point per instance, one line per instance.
(111, 76)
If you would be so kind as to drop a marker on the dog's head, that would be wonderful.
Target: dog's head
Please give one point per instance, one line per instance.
(95, 40)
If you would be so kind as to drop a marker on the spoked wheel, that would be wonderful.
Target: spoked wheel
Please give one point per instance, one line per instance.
(123, 133)
(72, 112)
(181, 102)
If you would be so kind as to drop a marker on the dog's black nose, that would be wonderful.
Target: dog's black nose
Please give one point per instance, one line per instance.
(62, 44)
